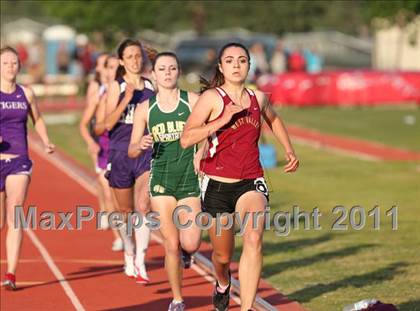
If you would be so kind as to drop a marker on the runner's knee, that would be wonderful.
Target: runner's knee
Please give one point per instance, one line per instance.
(191, 246)
(108, 195)
(143, 203)
(221, 258)
(172, 246)
(10, 219)
(253, 240)
(124, 211)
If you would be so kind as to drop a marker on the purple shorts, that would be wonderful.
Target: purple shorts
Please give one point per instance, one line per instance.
(122, 171)
(102, 160)
(103, 142)
(20, 165)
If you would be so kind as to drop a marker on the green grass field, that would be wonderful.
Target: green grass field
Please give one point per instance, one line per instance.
(387, 125)
(326, 269)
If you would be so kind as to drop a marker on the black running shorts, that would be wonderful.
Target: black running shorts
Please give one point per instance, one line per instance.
(219, 197)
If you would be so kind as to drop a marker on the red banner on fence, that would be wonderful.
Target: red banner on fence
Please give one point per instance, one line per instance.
(357, 87)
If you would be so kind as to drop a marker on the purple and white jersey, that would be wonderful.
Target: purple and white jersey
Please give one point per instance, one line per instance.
(121, 133)
(14, 109)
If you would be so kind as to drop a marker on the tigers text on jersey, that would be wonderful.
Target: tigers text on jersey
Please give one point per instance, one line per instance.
(14, 108)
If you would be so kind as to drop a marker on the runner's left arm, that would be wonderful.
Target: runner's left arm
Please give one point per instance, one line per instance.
(279, 130)
(37, 120)
(92, 101)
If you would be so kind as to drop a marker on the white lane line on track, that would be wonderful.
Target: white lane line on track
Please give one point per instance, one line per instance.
(57, 273)
(47, 257)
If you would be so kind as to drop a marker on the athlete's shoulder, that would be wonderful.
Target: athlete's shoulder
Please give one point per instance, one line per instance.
(94, 83)
(28, 91)
(210, 94)
(93, 87)
(192, 98)
(210, 99)
(261, 97)
(257, 93)
(144, 107)
(143, 111)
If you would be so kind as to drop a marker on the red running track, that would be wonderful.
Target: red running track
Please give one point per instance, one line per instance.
(75, 269)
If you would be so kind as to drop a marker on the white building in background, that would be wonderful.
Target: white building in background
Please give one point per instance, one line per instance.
(397, 48)
(22, 30)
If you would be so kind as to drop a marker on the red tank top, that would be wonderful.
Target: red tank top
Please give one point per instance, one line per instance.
(233, 149)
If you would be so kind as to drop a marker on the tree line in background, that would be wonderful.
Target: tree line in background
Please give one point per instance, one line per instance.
(277, 17)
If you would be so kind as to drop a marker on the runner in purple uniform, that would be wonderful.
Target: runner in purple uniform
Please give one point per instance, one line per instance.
(16, 103)
(98, 145)
(129, 177)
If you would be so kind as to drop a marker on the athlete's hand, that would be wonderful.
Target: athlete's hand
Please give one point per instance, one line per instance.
(292, 162)
(94, 148)
(49, 147)
(146, 142)
(230, 110)
(196, 162)
(129, 90)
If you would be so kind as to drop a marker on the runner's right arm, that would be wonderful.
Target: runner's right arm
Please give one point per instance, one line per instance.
(202, 147)
(138, 141)
(114, 110)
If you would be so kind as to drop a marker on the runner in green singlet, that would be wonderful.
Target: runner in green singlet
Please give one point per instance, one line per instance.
(173, 178)
(172, 166)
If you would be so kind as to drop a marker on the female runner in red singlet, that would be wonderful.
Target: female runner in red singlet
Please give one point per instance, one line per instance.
(229, 116)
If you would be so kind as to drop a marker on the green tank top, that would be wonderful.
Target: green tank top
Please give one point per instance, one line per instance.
(166, 129)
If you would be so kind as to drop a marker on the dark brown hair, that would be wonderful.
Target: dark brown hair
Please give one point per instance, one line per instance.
(120, 52)
(161, 54)
(218, 77)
